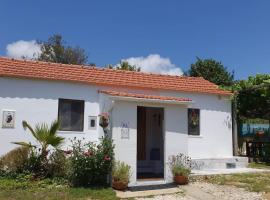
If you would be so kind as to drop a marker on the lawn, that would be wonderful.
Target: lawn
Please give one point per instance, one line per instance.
(256, 182)
(261, 165)
(16, 189)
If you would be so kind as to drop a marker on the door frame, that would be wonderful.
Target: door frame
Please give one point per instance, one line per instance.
(163, 140)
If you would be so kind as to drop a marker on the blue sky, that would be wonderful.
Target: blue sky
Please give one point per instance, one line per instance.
(237, 33)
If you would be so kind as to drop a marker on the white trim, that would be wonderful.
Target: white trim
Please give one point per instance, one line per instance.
(149, 100)
(195, 136)
(70, 132)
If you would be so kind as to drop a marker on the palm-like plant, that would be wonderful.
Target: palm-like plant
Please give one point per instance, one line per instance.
(44, 135)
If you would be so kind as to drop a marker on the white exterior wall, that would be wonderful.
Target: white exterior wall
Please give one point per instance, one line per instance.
(175, 134)
(215, 138)
(125, 149)
(37, 102)
(176, 138)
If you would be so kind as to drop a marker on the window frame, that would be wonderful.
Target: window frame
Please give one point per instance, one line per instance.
(83, 108)
(199, 125)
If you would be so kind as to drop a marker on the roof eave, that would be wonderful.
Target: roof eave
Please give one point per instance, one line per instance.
(136, 99)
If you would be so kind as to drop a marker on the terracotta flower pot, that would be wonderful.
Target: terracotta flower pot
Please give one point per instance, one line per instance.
(119, 185)
(180, 180)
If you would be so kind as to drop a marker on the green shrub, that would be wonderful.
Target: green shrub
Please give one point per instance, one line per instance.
(36, 164)
(180, 164)
(91, 164)
(15, 160)
(178, 170)
(58, 164)
(121, 172)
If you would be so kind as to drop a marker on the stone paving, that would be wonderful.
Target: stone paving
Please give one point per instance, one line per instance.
(194, 191)
(227, 171)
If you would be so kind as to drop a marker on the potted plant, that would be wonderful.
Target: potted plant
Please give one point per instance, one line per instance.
(120, 175)
(104, 120)
(181, 168)
(180, 174)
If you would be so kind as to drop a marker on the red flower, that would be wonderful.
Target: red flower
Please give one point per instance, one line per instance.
(104, 114)
(67, 152)
(88, 153)
(107, 158)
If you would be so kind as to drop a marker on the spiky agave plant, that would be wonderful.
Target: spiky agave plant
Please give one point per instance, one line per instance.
(46, 136)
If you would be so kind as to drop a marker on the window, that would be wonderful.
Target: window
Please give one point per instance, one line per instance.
(71, 114)
(193, 121)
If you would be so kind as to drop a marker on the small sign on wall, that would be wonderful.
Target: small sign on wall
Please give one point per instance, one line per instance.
(92, 122)
(125, 130)
(8, 120)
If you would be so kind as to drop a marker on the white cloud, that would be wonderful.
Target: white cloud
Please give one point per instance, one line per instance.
(23, 49)
(154, 63)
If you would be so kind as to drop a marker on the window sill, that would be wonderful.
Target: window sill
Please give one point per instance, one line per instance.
(195, 136)
(71, 132)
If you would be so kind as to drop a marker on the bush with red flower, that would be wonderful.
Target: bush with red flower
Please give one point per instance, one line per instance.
(91, 163)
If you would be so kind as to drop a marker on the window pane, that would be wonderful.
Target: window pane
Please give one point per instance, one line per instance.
(193, 121)
(71, 115)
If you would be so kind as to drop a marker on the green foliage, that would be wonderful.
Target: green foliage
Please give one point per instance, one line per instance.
(58, 164)
(15, 160)
(212, 71)
(55, 50)
(46, 136)
(180, 170)
(23, 187)
(180, 164)
(121, 172)
(253, 97)
(91, 164)
(124, 65)
(36, 164)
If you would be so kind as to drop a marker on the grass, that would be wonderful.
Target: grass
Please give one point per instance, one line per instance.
(261, 165)
(256, 182)
(12, 189)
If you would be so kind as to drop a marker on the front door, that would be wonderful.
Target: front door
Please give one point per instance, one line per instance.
(150, 143)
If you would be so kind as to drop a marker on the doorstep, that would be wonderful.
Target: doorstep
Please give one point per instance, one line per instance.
(150, 190)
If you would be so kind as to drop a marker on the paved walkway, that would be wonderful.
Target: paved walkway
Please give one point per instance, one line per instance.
(193, 191)
(197, 190)
(207, 191)
(227, 171)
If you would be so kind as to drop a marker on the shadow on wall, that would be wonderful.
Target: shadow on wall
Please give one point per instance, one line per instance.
(209, 102)
(31, 89)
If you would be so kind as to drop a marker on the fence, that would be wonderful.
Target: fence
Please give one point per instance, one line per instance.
(259, 150)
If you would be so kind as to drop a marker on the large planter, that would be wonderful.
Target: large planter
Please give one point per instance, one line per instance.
(119, 185)
(180, 180)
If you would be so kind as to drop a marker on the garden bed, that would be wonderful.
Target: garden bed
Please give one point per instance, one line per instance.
(23, 188)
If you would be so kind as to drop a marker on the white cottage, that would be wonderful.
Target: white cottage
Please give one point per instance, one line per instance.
(151, 116)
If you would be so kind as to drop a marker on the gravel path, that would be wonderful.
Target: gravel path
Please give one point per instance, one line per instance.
(207, 191)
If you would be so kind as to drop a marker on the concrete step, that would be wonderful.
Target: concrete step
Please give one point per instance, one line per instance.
(220, 163)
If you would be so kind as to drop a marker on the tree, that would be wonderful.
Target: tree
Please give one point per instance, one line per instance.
(44, 135)
(253, 97)
(55, 50)
(212, 71)
(124, 65)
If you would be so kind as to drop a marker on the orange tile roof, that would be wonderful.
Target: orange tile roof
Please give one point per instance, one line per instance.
(101, 76)
(144, 96)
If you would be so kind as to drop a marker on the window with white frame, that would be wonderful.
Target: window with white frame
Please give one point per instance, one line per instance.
(71, 114)
(194, 121)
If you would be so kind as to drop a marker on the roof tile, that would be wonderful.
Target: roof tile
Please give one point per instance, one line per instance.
(100, 76)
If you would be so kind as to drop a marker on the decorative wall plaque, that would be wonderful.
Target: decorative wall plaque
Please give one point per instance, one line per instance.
(8, 120)
(125, 130)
